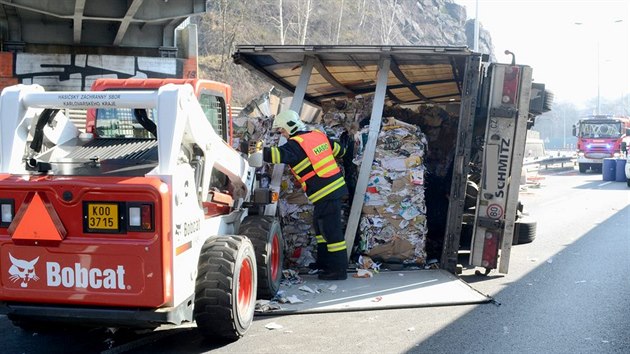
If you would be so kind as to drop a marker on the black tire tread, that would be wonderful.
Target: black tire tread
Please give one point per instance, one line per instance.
(257, 228)
(213, 296)
(525, 231)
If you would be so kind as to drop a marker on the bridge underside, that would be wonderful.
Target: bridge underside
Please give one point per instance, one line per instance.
(112, 25)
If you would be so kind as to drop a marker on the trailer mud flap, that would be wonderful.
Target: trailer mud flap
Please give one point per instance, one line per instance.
(385, 290)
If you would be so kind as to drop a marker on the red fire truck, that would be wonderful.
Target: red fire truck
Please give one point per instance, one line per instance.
(599, 137)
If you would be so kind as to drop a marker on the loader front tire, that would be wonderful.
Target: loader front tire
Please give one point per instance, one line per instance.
(225, 291)
(266, 236)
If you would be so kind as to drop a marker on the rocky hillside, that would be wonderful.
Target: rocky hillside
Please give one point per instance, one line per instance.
(394, 22)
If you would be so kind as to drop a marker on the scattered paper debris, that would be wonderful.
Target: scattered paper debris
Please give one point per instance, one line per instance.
(366, 262)
(291, 277)
(294, 300)
(266, 306)
(307, 289)
(332, 287)
(377, 299)
(273, 325)
(362, 273)
(580, 281)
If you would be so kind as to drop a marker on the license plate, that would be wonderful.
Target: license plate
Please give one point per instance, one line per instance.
(102, 216)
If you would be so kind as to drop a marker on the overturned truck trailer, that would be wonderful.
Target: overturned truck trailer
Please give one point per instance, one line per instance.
(492, 106)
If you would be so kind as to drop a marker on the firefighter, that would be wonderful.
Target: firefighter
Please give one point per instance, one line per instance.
(311, 157)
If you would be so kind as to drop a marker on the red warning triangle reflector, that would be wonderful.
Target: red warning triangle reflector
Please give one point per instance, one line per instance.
(37, 220)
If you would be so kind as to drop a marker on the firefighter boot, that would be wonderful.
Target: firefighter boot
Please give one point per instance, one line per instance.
(337, 269)
(333, 275)
(322, 256)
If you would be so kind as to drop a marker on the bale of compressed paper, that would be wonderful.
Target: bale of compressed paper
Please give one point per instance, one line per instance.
(393, 222)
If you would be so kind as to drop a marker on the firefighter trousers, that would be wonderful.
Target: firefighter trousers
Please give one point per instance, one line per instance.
(331, 243)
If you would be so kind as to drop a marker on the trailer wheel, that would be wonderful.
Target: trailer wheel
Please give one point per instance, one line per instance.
(266, 236)
(225, 291)
(524, 232)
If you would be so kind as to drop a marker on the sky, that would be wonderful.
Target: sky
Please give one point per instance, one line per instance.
(544, 35)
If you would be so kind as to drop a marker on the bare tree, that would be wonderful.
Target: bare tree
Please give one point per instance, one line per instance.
(219, 29)
(387, 13)
(303, 18)
(281, 17)
(279, 21)
(362, 11)
(339, 22)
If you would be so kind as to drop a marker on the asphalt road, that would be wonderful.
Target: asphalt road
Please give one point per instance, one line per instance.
(567, 292)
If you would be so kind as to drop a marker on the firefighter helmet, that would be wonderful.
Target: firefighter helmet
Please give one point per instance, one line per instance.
(290, 121)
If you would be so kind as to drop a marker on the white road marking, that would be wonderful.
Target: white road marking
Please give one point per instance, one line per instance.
(378, 291)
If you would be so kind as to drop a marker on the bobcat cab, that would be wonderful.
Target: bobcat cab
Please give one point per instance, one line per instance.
(213, 96)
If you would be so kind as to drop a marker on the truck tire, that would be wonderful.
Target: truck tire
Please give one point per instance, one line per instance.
(225, 291)
(628, 182)
(266, 236)
(524, 231)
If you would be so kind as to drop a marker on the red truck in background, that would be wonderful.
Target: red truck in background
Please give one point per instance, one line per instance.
(599, 137)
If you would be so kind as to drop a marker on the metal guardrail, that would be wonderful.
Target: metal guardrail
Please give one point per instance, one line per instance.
(550, 161)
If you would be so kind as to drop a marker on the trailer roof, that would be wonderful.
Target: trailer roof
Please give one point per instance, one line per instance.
(418, 74)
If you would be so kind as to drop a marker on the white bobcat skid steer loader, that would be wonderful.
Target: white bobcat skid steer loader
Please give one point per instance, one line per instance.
(123, 231)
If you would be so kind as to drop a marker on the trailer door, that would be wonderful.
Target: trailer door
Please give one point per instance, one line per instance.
(506, 129)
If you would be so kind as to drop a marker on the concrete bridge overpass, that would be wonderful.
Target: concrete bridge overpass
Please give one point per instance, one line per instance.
(67, 44)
